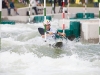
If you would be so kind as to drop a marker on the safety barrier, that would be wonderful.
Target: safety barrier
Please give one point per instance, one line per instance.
(73, 30)
(84, 16)
(8, 22)
(38, 19)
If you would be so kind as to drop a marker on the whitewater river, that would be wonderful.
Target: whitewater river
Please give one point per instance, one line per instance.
(24, 52)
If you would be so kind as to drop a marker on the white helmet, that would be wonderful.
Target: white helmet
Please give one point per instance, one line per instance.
(46, 22)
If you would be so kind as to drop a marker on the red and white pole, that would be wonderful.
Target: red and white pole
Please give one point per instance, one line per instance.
(63, 16)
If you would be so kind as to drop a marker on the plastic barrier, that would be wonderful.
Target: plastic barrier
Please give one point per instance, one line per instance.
(38, 19)
(79, 15)
(84, 16)
(8, 22)
(89, 15)
(74, 29)
(67, 32)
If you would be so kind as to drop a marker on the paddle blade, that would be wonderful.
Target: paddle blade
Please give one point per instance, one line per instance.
(59, 44)
(41, 31)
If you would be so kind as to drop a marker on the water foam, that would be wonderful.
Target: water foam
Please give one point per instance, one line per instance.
(24, 52)
(28, 63)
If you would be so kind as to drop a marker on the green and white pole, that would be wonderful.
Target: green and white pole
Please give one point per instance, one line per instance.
(52, 10)
(0, 9)
(45, 18)
(99, 21)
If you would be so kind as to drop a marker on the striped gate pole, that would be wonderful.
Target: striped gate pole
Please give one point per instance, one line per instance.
(85, 9)
(0, 9)
(99, 21)
(29, 20)
(45, 18)
(63, 16)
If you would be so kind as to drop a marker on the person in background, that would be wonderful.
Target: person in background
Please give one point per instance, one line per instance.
(55, 1)
(66, 2)
(60, 3)
(20, 1)
(5, 5)
(60, 6)
(34, 4)
(96, 4)
(24, 2)
(12, 6)
(72, 1)
(39, 3)
(86, 1)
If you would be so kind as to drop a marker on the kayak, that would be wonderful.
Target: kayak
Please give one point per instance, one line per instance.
(55, 44)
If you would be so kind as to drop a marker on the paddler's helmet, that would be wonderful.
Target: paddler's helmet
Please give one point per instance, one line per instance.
(46, 22)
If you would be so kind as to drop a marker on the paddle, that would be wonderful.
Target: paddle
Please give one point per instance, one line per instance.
(41, 31)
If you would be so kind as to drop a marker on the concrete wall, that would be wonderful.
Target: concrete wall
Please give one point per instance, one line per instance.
(90, 31)
(18, 19)
(21, 11)
(72, 10)
(25, 18)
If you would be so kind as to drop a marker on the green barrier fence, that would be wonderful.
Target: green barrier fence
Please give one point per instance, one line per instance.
(8, 22)
(74, 29)
(86, 16)
(38, 19)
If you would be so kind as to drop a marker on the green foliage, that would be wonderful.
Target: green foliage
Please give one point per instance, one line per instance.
(90, 1)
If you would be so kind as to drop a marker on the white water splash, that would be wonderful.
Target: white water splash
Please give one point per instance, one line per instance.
(24, 52)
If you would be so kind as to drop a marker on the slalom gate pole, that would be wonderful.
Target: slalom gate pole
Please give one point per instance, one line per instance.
(29, 20)
(85, 9)
(0, 9)
(45, 18)
(52, 10)
(63, 16)
(99, 21)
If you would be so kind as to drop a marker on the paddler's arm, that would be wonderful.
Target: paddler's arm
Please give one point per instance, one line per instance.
(43, 36)
(50, 33)
(61, 34)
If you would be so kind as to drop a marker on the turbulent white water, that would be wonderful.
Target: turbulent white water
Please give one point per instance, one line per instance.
(24, 52)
